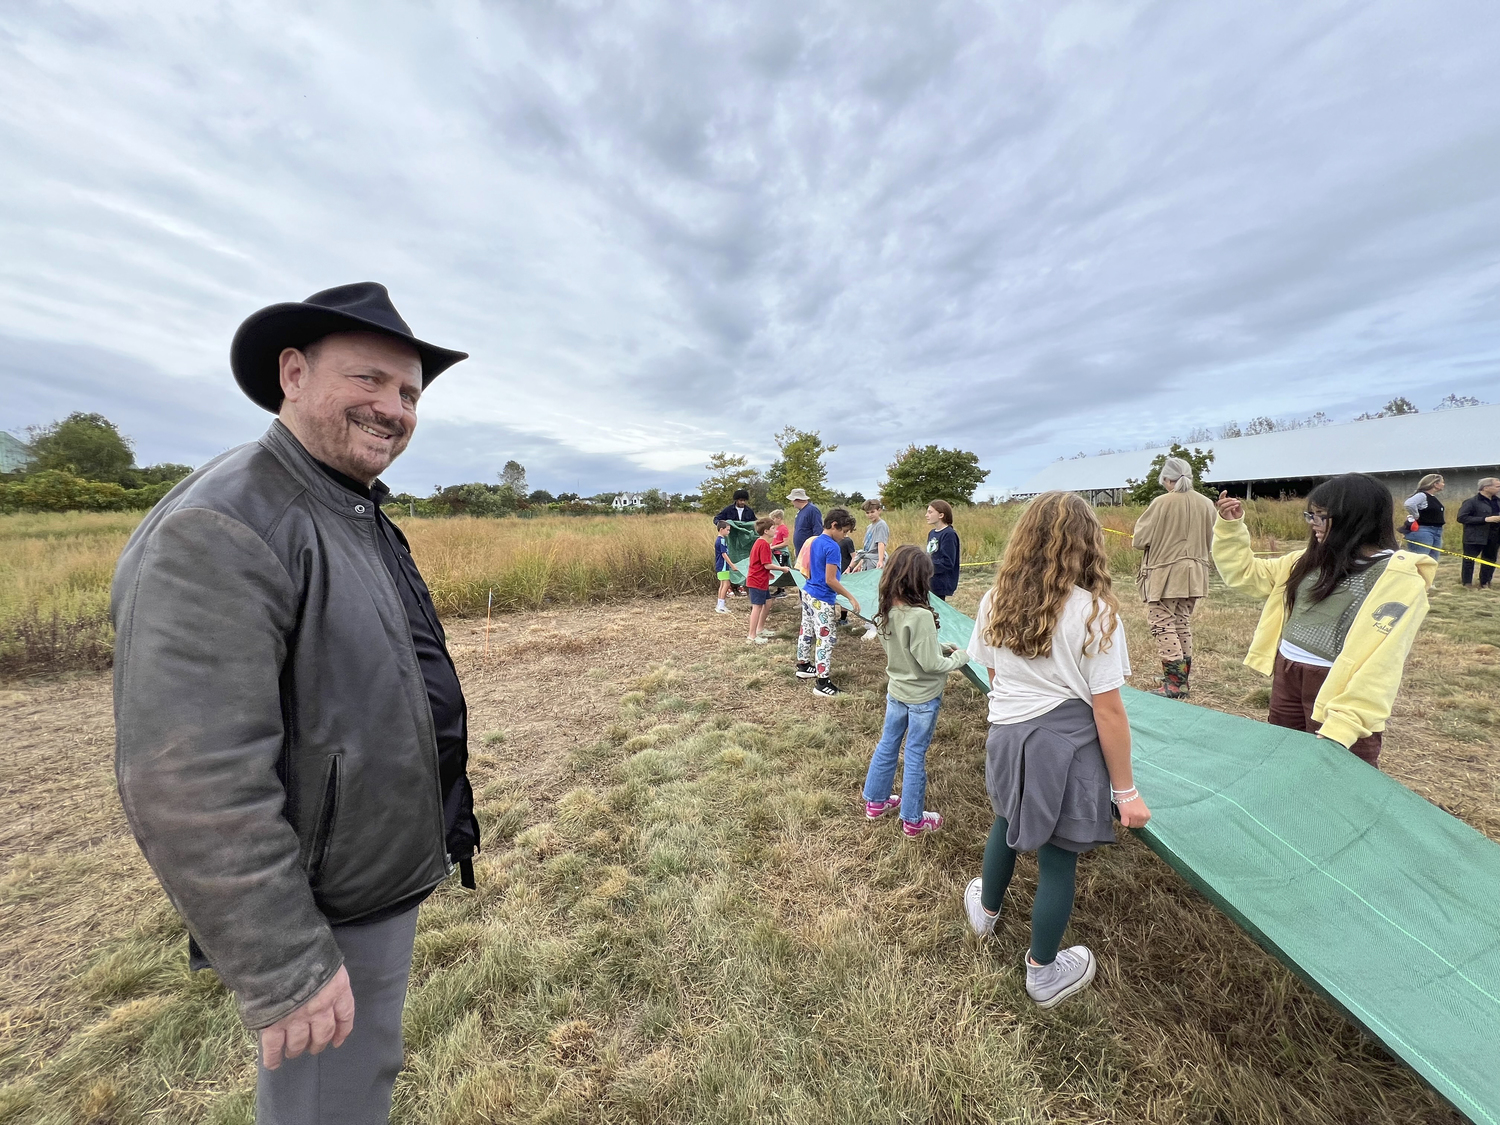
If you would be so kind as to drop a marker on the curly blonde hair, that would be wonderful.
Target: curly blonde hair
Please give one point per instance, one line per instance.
(1057, 544)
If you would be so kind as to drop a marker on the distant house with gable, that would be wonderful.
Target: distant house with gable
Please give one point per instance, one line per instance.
(15, 454)
(626, 501)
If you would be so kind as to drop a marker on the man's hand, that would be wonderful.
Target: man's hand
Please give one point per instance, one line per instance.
(326, 1018)
(1492, 519)
(1230, 508)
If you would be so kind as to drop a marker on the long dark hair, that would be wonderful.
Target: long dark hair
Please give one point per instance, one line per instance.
(907, 578)
(1360, 514)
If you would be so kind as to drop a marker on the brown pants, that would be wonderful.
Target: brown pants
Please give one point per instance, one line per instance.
(1294, 689)
(1169, 620)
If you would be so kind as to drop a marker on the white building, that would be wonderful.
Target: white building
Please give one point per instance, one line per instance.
(15, 454)
(627, 501)
(1462, 444)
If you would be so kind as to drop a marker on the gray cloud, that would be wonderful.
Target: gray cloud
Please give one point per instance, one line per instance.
(666, 229)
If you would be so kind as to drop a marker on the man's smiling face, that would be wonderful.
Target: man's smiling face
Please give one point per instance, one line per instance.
(351, 400)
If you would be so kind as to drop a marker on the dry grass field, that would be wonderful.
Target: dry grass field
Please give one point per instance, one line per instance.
(681, 915)
(55, 568)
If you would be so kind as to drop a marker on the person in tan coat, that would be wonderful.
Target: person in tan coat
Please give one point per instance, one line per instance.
(1176, 533)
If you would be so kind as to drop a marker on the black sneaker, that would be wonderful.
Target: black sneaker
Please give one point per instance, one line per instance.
(806, 672)
(825, 687)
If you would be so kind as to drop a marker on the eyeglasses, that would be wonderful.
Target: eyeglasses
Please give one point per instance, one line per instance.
(1317, 519)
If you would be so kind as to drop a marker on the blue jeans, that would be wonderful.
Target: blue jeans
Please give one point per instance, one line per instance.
(916, 721)
(1423, 539)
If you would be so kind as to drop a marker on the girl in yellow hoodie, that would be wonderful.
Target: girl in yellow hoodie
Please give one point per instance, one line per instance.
(1340, 615)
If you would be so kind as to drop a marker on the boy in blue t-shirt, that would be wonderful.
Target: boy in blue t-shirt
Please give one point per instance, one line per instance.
(824, 566)
(721, 564)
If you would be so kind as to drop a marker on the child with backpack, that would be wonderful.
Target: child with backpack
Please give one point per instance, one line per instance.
(916, 668)
(1340, 615)
(1058, 752)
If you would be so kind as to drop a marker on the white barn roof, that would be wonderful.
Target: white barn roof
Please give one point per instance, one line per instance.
(1444, 439)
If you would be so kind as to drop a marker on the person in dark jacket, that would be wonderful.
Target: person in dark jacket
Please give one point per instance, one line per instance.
(1480, 516)
(291, 735)
(739, 509)
(943, 546)
(809, 522)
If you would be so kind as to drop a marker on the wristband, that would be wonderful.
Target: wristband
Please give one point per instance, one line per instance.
(1123, 794)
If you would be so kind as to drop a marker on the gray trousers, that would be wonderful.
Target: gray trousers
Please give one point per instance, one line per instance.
(350, 1085)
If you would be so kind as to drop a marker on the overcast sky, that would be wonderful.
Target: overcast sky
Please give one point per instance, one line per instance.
(1025, 228)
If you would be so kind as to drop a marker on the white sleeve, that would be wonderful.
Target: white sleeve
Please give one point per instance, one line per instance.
(1109, 670)
(1414, 504)
(979, 651)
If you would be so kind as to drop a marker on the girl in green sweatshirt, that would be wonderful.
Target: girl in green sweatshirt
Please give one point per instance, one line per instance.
(917, 668)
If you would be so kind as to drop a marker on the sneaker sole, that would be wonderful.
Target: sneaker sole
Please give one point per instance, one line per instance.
(807, 675)
(1073, 989)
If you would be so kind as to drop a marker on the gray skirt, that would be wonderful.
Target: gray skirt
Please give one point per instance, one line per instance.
(1046, 777)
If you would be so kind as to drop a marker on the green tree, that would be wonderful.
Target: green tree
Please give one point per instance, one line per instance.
(165, 473)
(1397, 407)
(799, 466)
(920, 474)
(514, 476)
(86, 445)
(655, 502)
(726, 473)
(475, 500)
(1145, 491)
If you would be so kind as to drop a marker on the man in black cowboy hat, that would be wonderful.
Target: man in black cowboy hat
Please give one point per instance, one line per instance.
(291, 734)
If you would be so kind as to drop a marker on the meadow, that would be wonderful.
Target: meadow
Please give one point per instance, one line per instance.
(55, 568)
(681, 917)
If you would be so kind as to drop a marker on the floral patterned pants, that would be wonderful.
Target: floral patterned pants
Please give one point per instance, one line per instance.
(1170, 622)
(815, 645)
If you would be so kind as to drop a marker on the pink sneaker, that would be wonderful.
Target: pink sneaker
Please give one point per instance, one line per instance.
(874, 810)
(930, 822)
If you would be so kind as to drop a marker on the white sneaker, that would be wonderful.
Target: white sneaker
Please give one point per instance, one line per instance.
(980, 920)
(1071, 972)
(870, 633)
(721, 608)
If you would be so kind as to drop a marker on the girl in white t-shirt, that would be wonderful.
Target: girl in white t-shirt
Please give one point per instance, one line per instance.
(1058, 751)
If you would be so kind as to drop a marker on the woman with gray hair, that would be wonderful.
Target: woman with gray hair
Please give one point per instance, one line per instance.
(1176, 533)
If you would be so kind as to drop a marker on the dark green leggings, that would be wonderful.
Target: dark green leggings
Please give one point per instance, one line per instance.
(1056, 870)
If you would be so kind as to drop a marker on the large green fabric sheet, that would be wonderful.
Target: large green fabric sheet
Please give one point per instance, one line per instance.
(1376, 898)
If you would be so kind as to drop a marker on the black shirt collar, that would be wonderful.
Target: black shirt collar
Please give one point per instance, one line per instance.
(377, 491)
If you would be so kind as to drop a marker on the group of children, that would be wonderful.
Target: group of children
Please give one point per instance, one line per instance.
(821, 614)
(1339, 618)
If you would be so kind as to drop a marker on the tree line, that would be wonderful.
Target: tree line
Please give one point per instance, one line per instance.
(83, 463)
(917, 475)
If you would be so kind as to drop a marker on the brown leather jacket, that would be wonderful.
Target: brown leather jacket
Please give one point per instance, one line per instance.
(275, 750)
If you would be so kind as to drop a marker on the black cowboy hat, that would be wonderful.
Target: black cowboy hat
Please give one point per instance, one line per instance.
(365, 306)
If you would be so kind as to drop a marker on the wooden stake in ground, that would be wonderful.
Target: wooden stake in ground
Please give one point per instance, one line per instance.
(488, 610)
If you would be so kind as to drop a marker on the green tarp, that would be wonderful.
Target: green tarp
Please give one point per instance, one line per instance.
(1376, 898)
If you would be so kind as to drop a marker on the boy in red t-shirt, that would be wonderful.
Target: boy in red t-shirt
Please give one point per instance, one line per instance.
(758, 580)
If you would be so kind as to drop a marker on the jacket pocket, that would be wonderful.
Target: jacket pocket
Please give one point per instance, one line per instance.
(327, 815)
